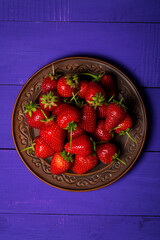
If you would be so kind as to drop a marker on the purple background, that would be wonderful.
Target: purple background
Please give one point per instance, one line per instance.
(125, 33)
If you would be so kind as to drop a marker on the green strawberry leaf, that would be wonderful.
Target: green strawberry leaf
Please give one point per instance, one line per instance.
(32, 107)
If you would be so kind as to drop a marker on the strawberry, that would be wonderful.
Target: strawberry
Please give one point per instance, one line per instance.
(35, 115)
(101, 111)
(84, 164)
(61, 162)
(76, 133)
(95, 95)
(60, 108)
(68, 115)
(88, 122)
(107, 83)
(115, 113)
(107, 152)
(124, 127)
(67, 85)
(68, 118)
(41, 149)
(100, 133)
(49, 101)
(53, 135)
(50, 82)
(83, 85)
(80, 145)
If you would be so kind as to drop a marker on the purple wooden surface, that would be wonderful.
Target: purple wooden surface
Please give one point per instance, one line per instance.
(29, 227)
(150, 96)
(136, 193)
(35, 33)
(71, 10)
(26, 47)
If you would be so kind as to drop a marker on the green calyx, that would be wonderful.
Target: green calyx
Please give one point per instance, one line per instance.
(71, 127)
(127, 132)
(95, 77)
(31, 108)
(67, 156)
(98, 100)
(116, 157)
(72, 80)
(49, 100)
(31, 148)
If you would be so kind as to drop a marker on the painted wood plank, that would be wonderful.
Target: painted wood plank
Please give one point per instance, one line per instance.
(71, 10)
(150, 96)
(28, 227)
(136, 193)
(26, 47)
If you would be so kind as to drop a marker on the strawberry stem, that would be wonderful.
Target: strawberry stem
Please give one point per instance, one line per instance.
(89, 74)
(116, 157)
(94, 144)
(71, 138)
(44, 114)
(95, 77)
(120, 160)
(31, 147)
(120, 102)
(110, 99)
(131, 137)
(115, 128)
(74, 97)
(53, 72)
(70, 127)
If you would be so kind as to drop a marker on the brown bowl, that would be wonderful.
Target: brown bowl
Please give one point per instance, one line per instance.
(101, 175)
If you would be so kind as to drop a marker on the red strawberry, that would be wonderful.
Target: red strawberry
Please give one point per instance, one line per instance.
(68, 115)
(60, 108)
(67, 85)
(80, 145)
(84, 164)
(100, 133)
(115, 113)
(50, 82)
(95, 95)
(101, 111)
(88, 122)
(61, 162)
(76, 133)
(53, 135)
(68, 118)
(83, 85)
(49, 101)
(41, 149)
(124, 127)
(34, 115)
(107, 152)
(108, 84)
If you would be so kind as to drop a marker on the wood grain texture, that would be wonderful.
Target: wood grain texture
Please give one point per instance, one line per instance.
(134, 194)
(28, 227)
(150, 97)
(26, 47)
(71, 10)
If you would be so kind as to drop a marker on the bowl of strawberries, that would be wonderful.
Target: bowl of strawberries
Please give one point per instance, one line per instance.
(79, 124)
